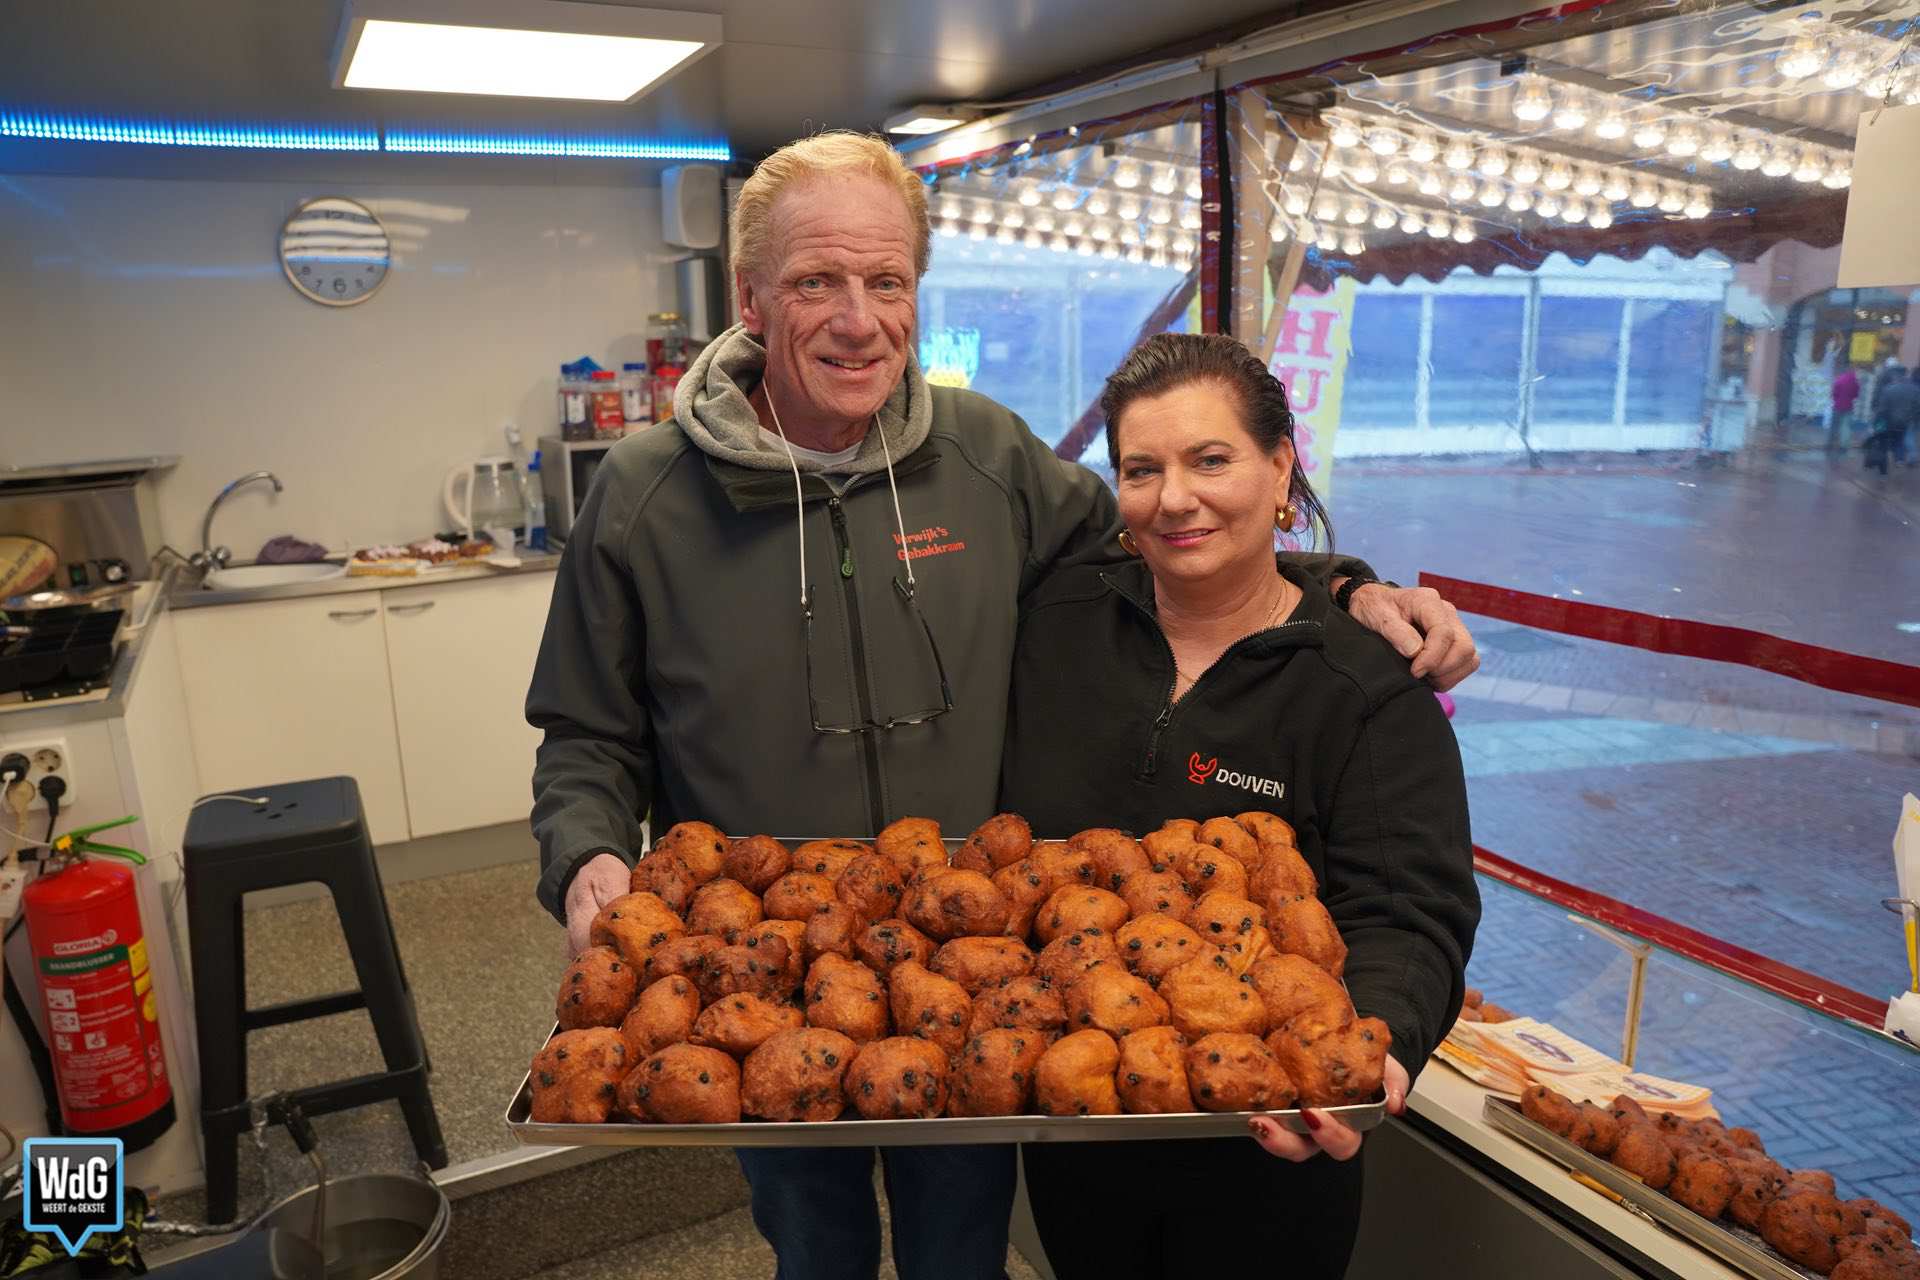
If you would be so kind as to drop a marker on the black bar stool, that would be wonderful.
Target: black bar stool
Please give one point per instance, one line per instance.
(304, 831)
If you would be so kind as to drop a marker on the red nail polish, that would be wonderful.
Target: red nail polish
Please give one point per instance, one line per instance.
(1313, 1121)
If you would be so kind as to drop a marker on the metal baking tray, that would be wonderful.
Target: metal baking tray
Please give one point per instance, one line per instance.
(943, 1131)
(1737, 1247)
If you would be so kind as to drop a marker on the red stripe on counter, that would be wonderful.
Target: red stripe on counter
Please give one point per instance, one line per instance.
(1810, 664)
(1782, 980)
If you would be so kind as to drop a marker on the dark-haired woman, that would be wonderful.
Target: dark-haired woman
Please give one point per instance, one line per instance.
(1202, 679)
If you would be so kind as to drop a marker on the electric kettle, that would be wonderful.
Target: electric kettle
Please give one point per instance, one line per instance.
(491, 500)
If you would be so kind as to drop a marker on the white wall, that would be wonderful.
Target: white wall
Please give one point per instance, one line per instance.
(150, 316)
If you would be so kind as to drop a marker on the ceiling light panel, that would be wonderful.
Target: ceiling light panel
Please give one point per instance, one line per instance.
(517, 48)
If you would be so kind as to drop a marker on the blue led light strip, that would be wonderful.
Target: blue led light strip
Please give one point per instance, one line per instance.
(57, 127)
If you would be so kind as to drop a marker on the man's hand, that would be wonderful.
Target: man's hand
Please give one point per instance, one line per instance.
(603, 878)
(1404, 615)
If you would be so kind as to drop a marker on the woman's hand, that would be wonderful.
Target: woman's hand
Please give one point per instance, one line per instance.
(1329, 1135)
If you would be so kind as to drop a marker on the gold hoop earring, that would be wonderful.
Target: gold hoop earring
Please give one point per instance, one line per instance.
(1127, 544)
(1285, 519)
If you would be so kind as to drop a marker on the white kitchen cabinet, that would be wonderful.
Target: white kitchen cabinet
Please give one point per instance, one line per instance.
(288, 689)
(461, 655)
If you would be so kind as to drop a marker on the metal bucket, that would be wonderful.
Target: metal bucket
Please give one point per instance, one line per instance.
(378, 1226)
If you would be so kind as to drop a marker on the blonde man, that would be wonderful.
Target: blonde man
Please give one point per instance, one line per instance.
(792, 611)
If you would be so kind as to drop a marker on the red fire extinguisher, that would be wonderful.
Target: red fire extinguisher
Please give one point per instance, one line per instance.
(96, 988)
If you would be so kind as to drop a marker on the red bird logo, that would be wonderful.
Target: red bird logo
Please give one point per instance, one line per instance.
(1198, 771)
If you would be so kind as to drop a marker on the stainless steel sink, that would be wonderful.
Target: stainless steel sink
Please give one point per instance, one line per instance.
(251, 576)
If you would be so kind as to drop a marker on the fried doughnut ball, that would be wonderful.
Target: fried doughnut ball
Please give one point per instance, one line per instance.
(899, 1078)
(993, 1074)
(910, 844)
(757, 861)
(1472, 999)
(1210, 870)
(979, 963)
(1000, 841)
(702, 846)
(1269, 830)
(846, 996)
(682, 955)
(1152, 1076)
(797, 895)
(831, 929)
(1758, 1184)
(1550, 1109)
(1116, 856)
(1161, 846)
(1228, 1071)
(1883, 1221)
(1491, 1012)
(1152, 944)
(663, 1015)
(929, 1006)
(1110, 998)
(576, 1076)
(1204, 996)
(1219, 917)
(1282, 876)
(1025, 889)
(1062, 865)
(827, 857)
(1643, 1152)
(724, 908)
(1062, 961)
(797, 1075)
(1869, 1264)
(1302, 927)
(634, 924)
(1295, 987)
(1157, 893)
(1598, 1132)
(1746, 1138)
(1243, 950)
(882, 945)
(760, 970)
(596, 990)
(1074, 1076)
(872, 886)
(1702, 1183)
(667, 876)
(1816, 1179)
(960, 904)
(1232, 839)
(740, 1024)
(1026, 1003)
(1467, 1012)
(684, 1084)
(1080, 907)
(1341, 1068)
(794, 934)
(1807, 1226)
(1625, 1107)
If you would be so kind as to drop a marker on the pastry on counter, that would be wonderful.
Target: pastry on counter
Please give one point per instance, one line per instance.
(898, 1078)
(575, 1076)
(797, 1075)
(433, 551)
(683, 1084)
(1232, 1071)
(1152, 1075)
(596, 990)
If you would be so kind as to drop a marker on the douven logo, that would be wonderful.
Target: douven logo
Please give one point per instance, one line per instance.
(1200, 772)
(72, 1188)
(1197, 772)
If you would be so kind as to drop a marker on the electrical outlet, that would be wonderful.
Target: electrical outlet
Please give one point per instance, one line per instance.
(47, 757)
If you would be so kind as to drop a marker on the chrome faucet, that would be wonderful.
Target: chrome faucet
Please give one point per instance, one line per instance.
(210, 556)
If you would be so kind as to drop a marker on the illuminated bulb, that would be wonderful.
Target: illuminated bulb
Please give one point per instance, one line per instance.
(1159, 259)
(1294, 202)
(1156, 239)
(1194, 189)
(1126, 175)
(1532, 100)
(1183, 246)
(1748, 156)
(1459, 155)
(950, 208)
(1837, 179)
(1521, 200)
(1136, 255)
(1355, 213)
(1101, 231)
(1111, 252)
(1611, 125)
(1586, 180)
(978, 231)
(1411, 224)
(1328, 241)
(1099, 203)
(1063, 197)
(1430, 184)
(1493, 162)
(1526, 168)
(1129, 234)
(1718, 146)
(1383, 142)
(1437, 226)
(1383, 219)
(1029, 194)
(1600, 217)
(1848, 69)
(1345, 133)
(1033, 239)
(1326, 208)
(1075, 227)
(1043, 222)
(1777, 164)
(1190, 217)
(1297, 161)
(1166, 180)
(1059, 244)
(1004, 235)
(948, 228)
(1697, 206)
(1160, 213)
(1559, 176)
(1575, 210)
(1128, 207)
(1281, 230)
(1615, 187)
(1014, 219)
(1804, 56)
(1649, 133)
(1332, 167)
(1463, 231)
(1644, 194)
(1672, 200)
(1364, 167)
(1811, 167)
(1461, 188)
(983, 212)
(1353, 242)
(1548, 205)
(1421, 148)
(1084, 248)
(1491, 195)
(1572, 112)
(1684, 141)
(1398, 174)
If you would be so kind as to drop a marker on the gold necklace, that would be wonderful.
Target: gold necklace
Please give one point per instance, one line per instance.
(1271, 615)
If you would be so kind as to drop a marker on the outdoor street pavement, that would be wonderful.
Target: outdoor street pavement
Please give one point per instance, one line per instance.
(1744, 804)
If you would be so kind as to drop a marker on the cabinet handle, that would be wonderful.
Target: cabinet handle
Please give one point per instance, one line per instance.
(343, 614)
(410, 608)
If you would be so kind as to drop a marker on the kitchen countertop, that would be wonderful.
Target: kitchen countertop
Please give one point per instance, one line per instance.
(187, 594)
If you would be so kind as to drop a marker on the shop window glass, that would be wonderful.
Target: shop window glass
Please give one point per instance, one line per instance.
(1476, 360)
(1384, 373)
(1668, 352)
(1577, 360)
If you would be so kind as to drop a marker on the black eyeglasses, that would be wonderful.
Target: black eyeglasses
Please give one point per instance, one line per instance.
(906, 591)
